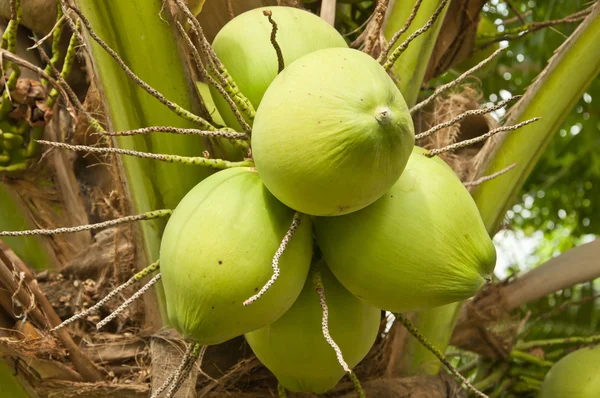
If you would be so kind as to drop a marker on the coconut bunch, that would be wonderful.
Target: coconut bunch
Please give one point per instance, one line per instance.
(331, 165)
(332, 142)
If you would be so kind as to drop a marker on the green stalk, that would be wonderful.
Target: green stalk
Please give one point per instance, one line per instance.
(436, 325)
(14, 217)
(149, 46)
(525, 357)
(551, 342)
(410, 67)
(552, 96)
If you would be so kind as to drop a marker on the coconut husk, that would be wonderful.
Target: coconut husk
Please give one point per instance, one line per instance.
(485, 326)
(443, 109)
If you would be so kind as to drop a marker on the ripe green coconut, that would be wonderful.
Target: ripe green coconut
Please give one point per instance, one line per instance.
(574, 376)
(332, 134)
(244, 46)
(421, 245)
(217, 251)
(294, 348)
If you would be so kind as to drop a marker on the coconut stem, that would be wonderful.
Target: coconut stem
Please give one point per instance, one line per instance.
(463, 115)
(280, 62)
(128, 302)
(68, 63)
(396, 37)
(320, 289)
(9, 38)
(275, 264)
(483, 179)
(184, 113)
(523, 356)
(232, 135)
(454, 82)
(360, 393)
(212, 81)
(56, 33)
(136, 278)
(492, 379)
(177, 378)
(462, 144)
(565, 340)
(192, 161)
(9, 42)
(215, 65)
(151, 215)
(169, 380)
(391, 60)
(419, 336)
(197, 351)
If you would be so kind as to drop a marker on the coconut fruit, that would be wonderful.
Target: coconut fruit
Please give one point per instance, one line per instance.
(421, 245)
(244, 46)
(217, 250)
(575, 375)
(332, 134)
(294, 348)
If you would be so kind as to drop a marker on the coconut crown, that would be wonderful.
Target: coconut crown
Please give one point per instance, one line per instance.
(217, 250)
(244, 47)
(422, 245)
(293, 347)
(575, 375)
(332, 134)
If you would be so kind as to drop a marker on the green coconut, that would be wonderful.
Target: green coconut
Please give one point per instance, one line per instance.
(332, 134)
(217, 250)
(574, 376)
(421, 245)
(244, 46)
(294, 349)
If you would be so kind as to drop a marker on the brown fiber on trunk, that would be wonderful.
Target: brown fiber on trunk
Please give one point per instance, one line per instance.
(18, 279)
(457, 36)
